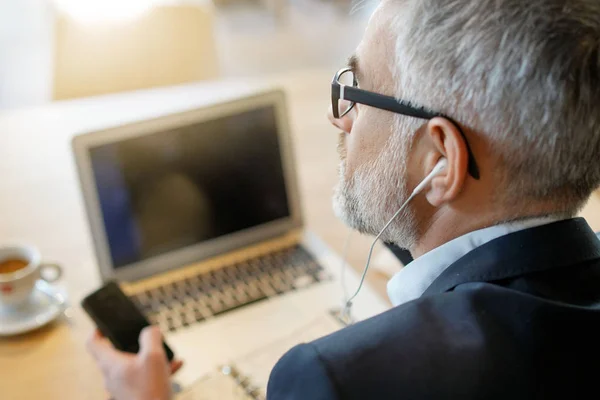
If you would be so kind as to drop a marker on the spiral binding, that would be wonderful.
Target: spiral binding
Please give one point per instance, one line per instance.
(253, 392)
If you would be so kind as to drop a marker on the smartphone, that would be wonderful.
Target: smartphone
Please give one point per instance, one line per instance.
(117, 318)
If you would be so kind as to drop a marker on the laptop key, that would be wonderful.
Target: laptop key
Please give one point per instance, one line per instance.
(198, 316)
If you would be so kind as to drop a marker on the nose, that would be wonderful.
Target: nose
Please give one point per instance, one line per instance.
(344, 123)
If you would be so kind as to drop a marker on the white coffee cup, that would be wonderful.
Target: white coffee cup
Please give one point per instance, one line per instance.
(16, 287)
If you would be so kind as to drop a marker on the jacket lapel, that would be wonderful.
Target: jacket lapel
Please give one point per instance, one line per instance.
(557, 245)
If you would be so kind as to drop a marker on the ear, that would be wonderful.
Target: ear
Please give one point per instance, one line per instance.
(449, 143)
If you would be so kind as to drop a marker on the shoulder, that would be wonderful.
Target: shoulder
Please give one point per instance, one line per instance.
(301, 374)
(479, 341)
(434, 340)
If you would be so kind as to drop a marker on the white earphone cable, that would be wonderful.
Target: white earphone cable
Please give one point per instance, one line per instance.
(345, 314)
(343, 267)
(348, 301)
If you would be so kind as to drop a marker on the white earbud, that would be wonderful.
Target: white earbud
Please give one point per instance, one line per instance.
(439, 167)
(345, 314)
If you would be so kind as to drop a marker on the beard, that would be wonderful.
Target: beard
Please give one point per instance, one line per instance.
(368, 199)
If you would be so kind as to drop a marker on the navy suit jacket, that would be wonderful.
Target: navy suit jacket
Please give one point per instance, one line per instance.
(516, 318)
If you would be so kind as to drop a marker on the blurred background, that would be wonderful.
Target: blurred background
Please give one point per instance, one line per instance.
(70, 53)
(61, 49)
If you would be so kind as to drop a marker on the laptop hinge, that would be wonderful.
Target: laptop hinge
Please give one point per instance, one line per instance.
(289, 239)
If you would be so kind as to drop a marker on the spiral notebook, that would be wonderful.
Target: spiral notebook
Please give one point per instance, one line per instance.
(246, 378)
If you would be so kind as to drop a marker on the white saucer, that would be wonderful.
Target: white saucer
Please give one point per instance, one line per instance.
(44, 306)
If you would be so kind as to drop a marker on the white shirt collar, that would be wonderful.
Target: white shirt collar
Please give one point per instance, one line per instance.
(414, 279)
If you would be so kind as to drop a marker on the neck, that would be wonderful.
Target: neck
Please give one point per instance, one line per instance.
(447, 224)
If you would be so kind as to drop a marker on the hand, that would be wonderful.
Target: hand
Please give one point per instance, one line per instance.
(142, 376)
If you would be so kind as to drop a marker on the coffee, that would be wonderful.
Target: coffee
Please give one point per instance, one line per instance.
(12, 265)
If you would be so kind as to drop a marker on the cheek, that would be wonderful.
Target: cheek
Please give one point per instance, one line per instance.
(356, 143)
(370, 133)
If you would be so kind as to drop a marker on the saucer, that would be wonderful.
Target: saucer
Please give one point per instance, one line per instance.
(45, 304)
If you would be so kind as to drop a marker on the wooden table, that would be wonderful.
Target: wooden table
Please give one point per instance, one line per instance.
(40, 204)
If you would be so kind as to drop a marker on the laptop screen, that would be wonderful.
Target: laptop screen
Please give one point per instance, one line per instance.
(168, 190)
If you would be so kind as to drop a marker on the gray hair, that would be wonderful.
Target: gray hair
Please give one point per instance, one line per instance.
(525, 74)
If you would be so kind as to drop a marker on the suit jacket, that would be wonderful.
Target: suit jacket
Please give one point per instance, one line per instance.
(516, 318)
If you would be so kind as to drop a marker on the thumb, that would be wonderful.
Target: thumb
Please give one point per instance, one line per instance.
(151, 340)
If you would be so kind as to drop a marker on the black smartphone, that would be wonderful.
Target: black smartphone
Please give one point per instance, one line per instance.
(117, 318)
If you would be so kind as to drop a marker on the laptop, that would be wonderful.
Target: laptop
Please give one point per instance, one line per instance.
(198, 216)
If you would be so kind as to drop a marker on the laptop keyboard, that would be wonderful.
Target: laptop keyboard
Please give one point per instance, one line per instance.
(187, 301)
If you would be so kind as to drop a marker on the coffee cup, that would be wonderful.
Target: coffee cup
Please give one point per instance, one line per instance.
(20, 268)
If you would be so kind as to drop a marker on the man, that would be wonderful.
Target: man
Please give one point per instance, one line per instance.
(503, 299)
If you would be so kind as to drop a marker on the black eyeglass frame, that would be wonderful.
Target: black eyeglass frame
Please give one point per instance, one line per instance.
(354, 95)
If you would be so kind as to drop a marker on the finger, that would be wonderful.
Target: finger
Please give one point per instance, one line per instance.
(95, 342)
(95, 335)
(102, 350)
(176, 366)
(151, 341)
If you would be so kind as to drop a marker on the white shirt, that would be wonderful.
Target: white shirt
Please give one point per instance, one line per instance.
(414, 279)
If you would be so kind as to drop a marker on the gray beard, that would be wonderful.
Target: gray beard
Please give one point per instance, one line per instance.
(369, 199)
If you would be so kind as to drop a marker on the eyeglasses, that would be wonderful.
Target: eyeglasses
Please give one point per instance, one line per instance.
(345, 94)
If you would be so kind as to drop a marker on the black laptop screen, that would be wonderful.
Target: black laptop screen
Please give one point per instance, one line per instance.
(168, 190)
